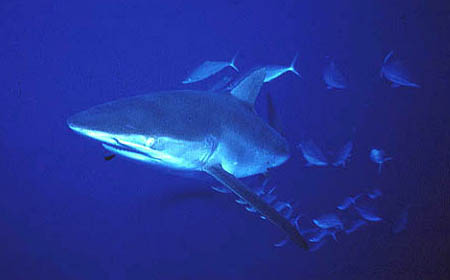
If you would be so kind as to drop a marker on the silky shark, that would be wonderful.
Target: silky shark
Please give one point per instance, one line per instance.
(219, 134)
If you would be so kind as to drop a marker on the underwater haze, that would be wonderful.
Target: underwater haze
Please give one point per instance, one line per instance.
(345, 148)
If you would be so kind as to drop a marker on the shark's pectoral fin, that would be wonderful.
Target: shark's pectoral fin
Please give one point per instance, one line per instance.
(247, 90)
(256, 202)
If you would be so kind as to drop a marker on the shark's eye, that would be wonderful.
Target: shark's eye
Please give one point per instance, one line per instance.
(150, 141)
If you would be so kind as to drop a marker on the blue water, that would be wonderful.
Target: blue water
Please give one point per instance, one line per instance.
(66, 213)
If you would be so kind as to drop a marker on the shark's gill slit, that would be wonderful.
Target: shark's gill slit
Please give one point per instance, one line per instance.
(211, 143)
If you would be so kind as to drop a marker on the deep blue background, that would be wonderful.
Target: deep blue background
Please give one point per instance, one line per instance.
(65, 213)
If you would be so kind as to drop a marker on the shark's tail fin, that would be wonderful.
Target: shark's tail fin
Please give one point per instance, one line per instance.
(232, 63)
(292, 66)
(257, 203)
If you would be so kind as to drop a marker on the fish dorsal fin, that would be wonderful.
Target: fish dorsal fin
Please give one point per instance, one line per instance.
(247, 90)
(388, 56)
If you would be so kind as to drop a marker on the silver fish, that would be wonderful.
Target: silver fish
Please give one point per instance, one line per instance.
(284, 208)
(333, 77)
(367, 214)
(359, 223)
(400, 224)
(374, 194)
(323, 233)
(328, 221)
(221, 189)
(209, 68)
(396, 73)
(312, 154)
(379, 156)
(268, 197)
(241, 201)
(348, 202)
(281, 243)
(274, 71)
(344, 154)
(317, 246)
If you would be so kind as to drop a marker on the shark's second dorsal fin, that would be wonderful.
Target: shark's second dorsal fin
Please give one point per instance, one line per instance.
(247, 89)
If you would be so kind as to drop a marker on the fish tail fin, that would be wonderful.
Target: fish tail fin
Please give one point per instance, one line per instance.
(257, 203)
(281, 243)
(232, 63)
(292, 66)
(388, 56)
(333, 235)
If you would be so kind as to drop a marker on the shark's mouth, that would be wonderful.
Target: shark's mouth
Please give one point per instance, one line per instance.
(149, 150)
(158, 150)
(133, 150)
(163, 151)
(131, 153)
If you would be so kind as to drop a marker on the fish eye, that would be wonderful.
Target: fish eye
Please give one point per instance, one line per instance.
(150, 141)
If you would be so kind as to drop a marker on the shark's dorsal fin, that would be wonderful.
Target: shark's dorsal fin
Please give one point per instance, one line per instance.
(247, 90)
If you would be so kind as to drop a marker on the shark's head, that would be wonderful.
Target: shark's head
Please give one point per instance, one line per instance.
(133, 128)
(116, 126)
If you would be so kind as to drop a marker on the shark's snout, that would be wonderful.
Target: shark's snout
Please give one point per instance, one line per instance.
(82, 121)
(74, 123)
(90, 125)
(98, 118)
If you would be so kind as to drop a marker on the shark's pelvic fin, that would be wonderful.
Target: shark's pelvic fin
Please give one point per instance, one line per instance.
(256, 202)
(247, 90)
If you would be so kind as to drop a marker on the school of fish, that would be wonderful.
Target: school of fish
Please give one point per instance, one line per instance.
(353, 212)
